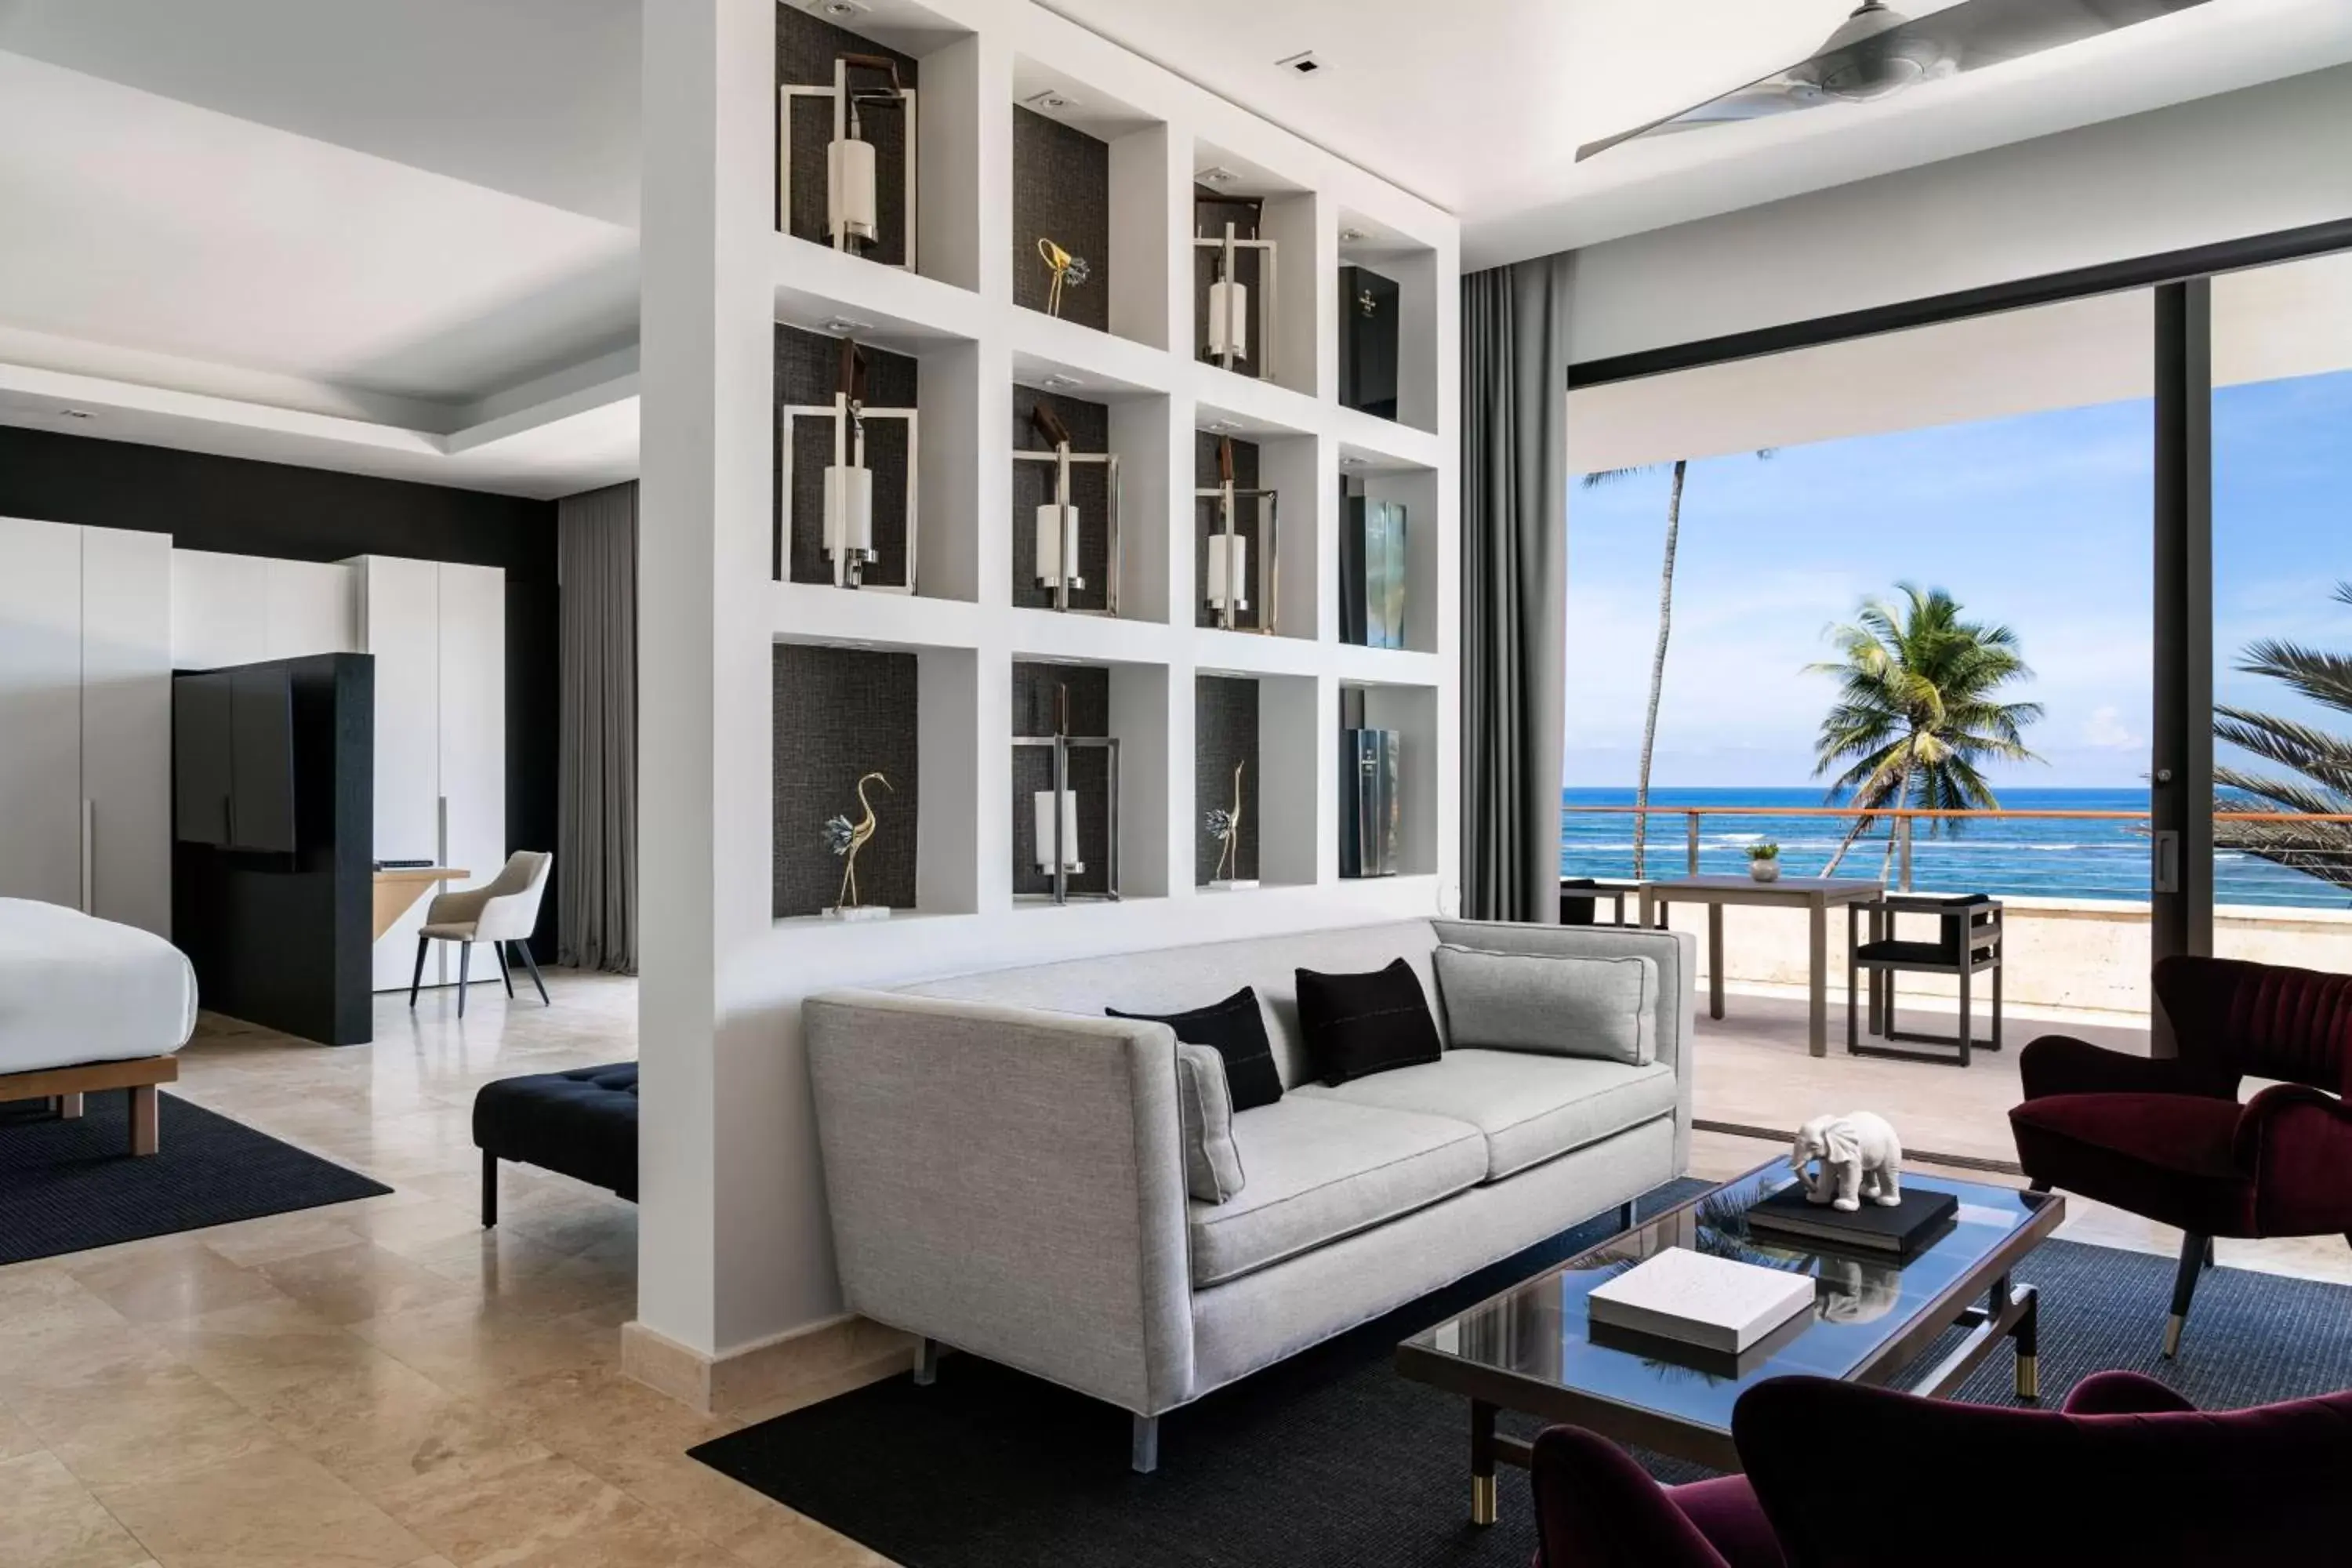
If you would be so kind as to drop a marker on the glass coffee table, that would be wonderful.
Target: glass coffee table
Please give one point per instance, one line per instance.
(1532, 1347)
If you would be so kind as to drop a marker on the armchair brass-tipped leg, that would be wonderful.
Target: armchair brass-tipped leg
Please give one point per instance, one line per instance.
(1482, 1462)
(1482, 1499)
(2193, 1252)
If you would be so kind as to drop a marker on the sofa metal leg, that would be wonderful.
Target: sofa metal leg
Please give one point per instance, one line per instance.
(1143, 1455)
(2184, 1286)
(489, 1189)
(926, 1363)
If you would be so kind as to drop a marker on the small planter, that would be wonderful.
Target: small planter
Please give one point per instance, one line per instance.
(1764, 862)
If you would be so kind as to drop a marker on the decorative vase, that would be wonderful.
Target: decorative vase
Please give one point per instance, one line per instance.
(1765, 871)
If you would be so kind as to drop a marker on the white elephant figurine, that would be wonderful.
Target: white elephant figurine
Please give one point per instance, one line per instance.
(1859, 1155)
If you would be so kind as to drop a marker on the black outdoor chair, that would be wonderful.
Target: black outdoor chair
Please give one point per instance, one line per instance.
(1580, 898)
(1967, 943)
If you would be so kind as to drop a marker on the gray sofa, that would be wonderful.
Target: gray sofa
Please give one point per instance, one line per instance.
(1006, 1166)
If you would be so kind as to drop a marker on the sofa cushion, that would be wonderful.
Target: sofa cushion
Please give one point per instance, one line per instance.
(1320, 1169)
(1569, 1006)
(1204, 1112)
(1356, 1025)
(1528, 1108)
(1236, 1028)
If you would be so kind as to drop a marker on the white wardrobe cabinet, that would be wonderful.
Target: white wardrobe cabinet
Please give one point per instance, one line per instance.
(85, 720)
(242, 609)
(438, 633)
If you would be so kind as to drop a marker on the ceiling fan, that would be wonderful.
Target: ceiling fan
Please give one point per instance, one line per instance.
(1878, 51)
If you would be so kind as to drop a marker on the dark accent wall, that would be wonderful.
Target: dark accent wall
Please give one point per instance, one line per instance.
(244, 508)
(1032, 486)
(1034, 687)
(285, 941)
(808, 370)
(1205, 522)
(805, 48)
(1224, 732)
(1061, 192)
(842, 713)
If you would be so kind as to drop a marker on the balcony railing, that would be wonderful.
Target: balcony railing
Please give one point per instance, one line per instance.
(2291, 858)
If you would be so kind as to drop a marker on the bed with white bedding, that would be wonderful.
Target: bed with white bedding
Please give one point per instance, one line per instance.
(87, 1004)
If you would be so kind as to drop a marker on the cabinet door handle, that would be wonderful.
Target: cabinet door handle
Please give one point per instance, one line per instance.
(88, 856)
(2164, 875)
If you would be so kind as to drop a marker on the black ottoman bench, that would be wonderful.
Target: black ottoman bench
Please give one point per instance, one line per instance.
(582, 1124)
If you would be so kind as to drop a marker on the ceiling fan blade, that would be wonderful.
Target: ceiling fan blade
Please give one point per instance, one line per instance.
(1965, 36)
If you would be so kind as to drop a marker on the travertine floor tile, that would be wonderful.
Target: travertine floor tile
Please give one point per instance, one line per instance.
(170, 1283)
(272, 1509)
(48, 1520)
(142, 1418)
(347, 1284)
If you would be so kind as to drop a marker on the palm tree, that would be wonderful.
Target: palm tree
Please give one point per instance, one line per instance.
(1665, 628)
(1918, 711)
(2323, 849)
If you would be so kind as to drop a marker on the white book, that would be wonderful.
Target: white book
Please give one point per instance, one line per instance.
(1713, 1302)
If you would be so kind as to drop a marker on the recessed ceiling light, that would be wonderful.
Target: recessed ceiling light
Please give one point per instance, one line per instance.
(1349, 460)
(77, 414)
(1055, 381)
(836, 7)
(1304, 62)
(843, 326)
(1053, 100)
(1220, 427)
(1352, 236)
(1216, 174)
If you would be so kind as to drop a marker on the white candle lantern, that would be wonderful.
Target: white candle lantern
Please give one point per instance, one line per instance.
(852, 207)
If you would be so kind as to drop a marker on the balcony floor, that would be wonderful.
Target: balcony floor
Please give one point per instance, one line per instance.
(1754, 1073)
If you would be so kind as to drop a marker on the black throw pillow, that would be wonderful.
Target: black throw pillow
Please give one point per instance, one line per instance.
(1358, 1024)
(1237, 1029)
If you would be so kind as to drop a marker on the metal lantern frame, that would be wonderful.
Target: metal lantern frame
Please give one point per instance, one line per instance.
(1228, 248)
(1228, 496)
(843, 96)
(849, 416)
(1062, 746)
(1064, 460)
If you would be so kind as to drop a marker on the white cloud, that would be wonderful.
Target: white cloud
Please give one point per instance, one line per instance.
(2107, 731)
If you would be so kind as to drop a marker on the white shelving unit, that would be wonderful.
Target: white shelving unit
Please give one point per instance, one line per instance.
(977, 61)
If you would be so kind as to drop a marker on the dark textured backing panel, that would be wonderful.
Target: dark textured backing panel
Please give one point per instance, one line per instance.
(805, 47)
(1032, 486)
(1370, 306)
(840, 713)
(1033, 689)
(1061, 192)
(1209, 220)
(1225, 732)
(1205, 522)
(808, 367)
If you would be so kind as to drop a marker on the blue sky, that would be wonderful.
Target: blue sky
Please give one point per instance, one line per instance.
(2040, 521)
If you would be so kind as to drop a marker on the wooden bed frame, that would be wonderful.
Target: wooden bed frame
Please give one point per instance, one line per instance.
(67, 1085)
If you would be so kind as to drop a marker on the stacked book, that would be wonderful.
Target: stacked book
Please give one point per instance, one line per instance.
(1693, 1306)
(1895, 1229)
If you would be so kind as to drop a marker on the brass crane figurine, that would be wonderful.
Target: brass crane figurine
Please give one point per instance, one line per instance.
(845, 839)
(1225, 826)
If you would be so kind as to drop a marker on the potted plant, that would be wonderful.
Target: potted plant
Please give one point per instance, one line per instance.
(1764, 861)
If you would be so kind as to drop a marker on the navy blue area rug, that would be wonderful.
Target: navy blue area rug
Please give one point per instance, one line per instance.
(1334, 1459)
(68, 1186)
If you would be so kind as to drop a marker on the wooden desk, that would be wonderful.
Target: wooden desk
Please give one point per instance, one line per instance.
(397, 888)
(1815, 895)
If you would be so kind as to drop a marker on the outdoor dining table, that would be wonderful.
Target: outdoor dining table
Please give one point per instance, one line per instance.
(1815, 895)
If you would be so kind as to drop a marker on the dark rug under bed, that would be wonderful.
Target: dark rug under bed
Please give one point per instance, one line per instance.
(1332, 1458)
(68, 1186)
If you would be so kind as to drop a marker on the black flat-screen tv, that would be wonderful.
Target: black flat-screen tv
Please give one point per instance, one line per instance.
(233, 758)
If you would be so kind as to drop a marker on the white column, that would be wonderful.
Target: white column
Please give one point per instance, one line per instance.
(731, 1214)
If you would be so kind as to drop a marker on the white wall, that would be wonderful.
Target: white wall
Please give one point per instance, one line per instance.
(2271, 157)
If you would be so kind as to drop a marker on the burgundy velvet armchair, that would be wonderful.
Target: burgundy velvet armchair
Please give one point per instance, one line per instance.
(2167, 1139)
(1840, 1476)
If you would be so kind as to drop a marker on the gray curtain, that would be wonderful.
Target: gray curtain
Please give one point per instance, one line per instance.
(596, 816)
(1514, 586)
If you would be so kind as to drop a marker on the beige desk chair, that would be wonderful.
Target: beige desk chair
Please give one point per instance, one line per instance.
(503, 911)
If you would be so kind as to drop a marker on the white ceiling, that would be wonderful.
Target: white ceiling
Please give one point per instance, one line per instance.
(401, 213)
(1478, 105)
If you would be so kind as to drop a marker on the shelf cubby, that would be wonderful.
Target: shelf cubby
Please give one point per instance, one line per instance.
(1411, 713)
(939, 61)
(1410, 494)
(1132, 428)
(1286, 465)
(841, 713)
(1282, 283)
(1089, 175)
(1266, 724)
(938, 381)
(1129, 703)
(1386, 368)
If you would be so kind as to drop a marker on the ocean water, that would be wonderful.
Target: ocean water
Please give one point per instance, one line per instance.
(2041, 858)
